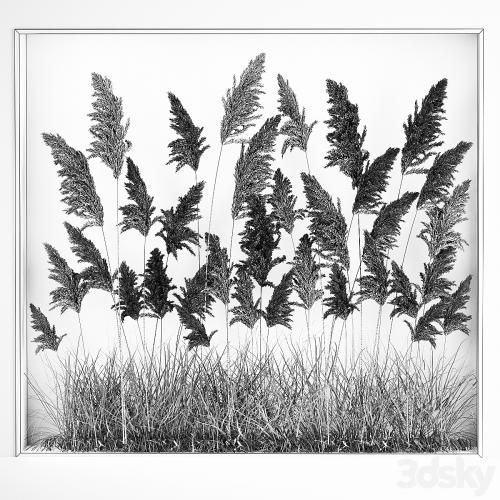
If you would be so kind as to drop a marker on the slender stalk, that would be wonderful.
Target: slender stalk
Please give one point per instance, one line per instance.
(331, 335)
(410, 348)
(80, 337)
(351, 287)
(112, 293)
(293, 242)
(389, 337)
(143, 274)
(229, 389)
(307, 161)
(352, 316)
(402, 263)
(106, 246)
(161, 339)
(353, 349)
(392, 319)
(117, 236)
(305, 312)
(144, 346)
(350, 290)
(444, 351)
(227, 329)
(346, 344)
(377, 331)
(120, 347)
(198, 220)
(322, 305)
(400, 185)
(126, 340)
(231, 242)
(119, 324)
(177, 340)
(441, 424)
(360, 275)
(308, 312)
(339, 343)
(210, 217)
(227, 336)
(408, 399)
(349, 228)
(213, 190)
(409, 236)
(143, 338)
(154, 340)
(260, 324)
(151, 363)
(320, 275)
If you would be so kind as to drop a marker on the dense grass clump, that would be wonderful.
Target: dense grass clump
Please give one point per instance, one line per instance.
(299, 401)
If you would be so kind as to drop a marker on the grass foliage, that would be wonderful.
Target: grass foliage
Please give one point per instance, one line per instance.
(300, 402)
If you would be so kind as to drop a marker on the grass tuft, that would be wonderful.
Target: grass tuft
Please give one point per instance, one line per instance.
(301, 401)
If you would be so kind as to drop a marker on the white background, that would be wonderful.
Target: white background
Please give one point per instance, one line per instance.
(222, 477)
(198, 68)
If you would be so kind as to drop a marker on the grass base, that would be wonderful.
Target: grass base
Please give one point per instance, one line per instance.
(284, 444)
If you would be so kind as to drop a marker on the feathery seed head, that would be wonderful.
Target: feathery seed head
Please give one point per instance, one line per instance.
(110, 144)
(175, 230)
(137, 215)
(253, 172)
(48, 338)
(77, 185)
(241, 102)
(188, 148)
(295, 129)
(346, 142)
(423, 129)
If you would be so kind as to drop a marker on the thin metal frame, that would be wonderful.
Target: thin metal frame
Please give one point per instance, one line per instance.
(21, 162)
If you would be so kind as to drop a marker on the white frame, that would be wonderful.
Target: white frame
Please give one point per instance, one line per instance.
(20, 79)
